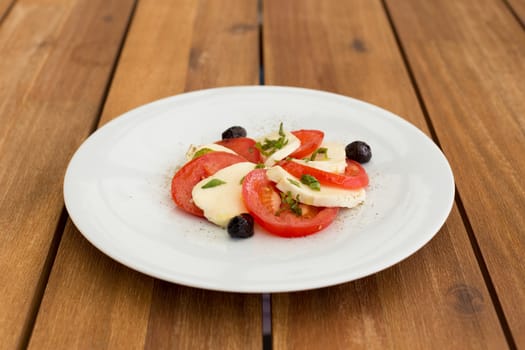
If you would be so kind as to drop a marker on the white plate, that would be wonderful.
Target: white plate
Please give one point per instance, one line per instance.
(117, 192)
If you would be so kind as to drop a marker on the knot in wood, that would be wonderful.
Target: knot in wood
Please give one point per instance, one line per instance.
(465, 299)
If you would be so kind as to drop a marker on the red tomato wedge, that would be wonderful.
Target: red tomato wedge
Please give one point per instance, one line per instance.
(243, 146)
(263, 202)
(310, 141)
(355, 176)
(194, 171)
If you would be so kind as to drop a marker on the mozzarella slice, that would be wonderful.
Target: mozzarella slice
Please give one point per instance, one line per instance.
(212, 146)
(328, 196)
(334, 161)
(292, 145)
(222, 202)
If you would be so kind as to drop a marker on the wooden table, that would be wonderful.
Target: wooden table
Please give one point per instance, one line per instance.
(455, 69)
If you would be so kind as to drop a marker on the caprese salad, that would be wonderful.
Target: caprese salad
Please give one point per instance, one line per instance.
(290, 183)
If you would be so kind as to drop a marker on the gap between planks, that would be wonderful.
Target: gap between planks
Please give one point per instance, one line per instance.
(485, 273)
(96, 120)
(260, 20)
(466, 221)
(43, 280)
(521, 21)
(4, 13)
(266, 302)
(266, 308)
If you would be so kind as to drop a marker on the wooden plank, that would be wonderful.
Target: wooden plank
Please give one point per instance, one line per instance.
(199, 60)
(437, 298)
(471, 77)
(93, 302)
(56, 60)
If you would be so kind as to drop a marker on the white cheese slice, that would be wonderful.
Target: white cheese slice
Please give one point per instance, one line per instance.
(327, 196)
(213, 146)
(222, 202)
(292, 144)
(334, 161)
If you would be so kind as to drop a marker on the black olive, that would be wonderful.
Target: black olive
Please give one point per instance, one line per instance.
(241, 226)
(358, 151)
(234, 132)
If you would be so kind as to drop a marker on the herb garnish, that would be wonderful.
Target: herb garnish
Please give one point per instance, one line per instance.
(311, 182)
(213, 183)
(202, 152)
(321, 150)
(269, 147)
(291, 203)
(293, 182)
(260, 166)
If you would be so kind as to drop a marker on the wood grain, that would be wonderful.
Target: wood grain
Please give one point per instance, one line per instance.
(201, 57)
(469, 65)
(56, 60)
(437, 298)
(93, 302)
(188, 318)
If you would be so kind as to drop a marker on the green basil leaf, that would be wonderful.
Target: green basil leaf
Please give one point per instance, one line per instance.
(321, 150)
(269, 147)
(202, 152)
(293, 182)
(213, 183)
(290, 203)
(311, 182)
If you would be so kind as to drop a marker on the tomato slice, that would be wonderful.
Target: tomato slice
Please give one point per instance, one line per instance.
(243, 146)
(193, 172)
(355, 176)
(310, 141)
(263, 202)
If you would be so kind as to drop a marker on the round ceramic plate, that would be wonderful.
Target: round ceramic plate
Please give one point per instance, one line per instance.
(117, 192)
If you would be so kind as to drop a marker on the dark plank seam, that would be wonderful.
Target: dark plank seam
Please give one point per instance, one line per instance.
(114, 68)
(266, 300)
(266, 305)
(61, 225)
(260, 20)
(7, 11)
(485, 272)
(466, 221)
(43, 280)
(515, 14)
